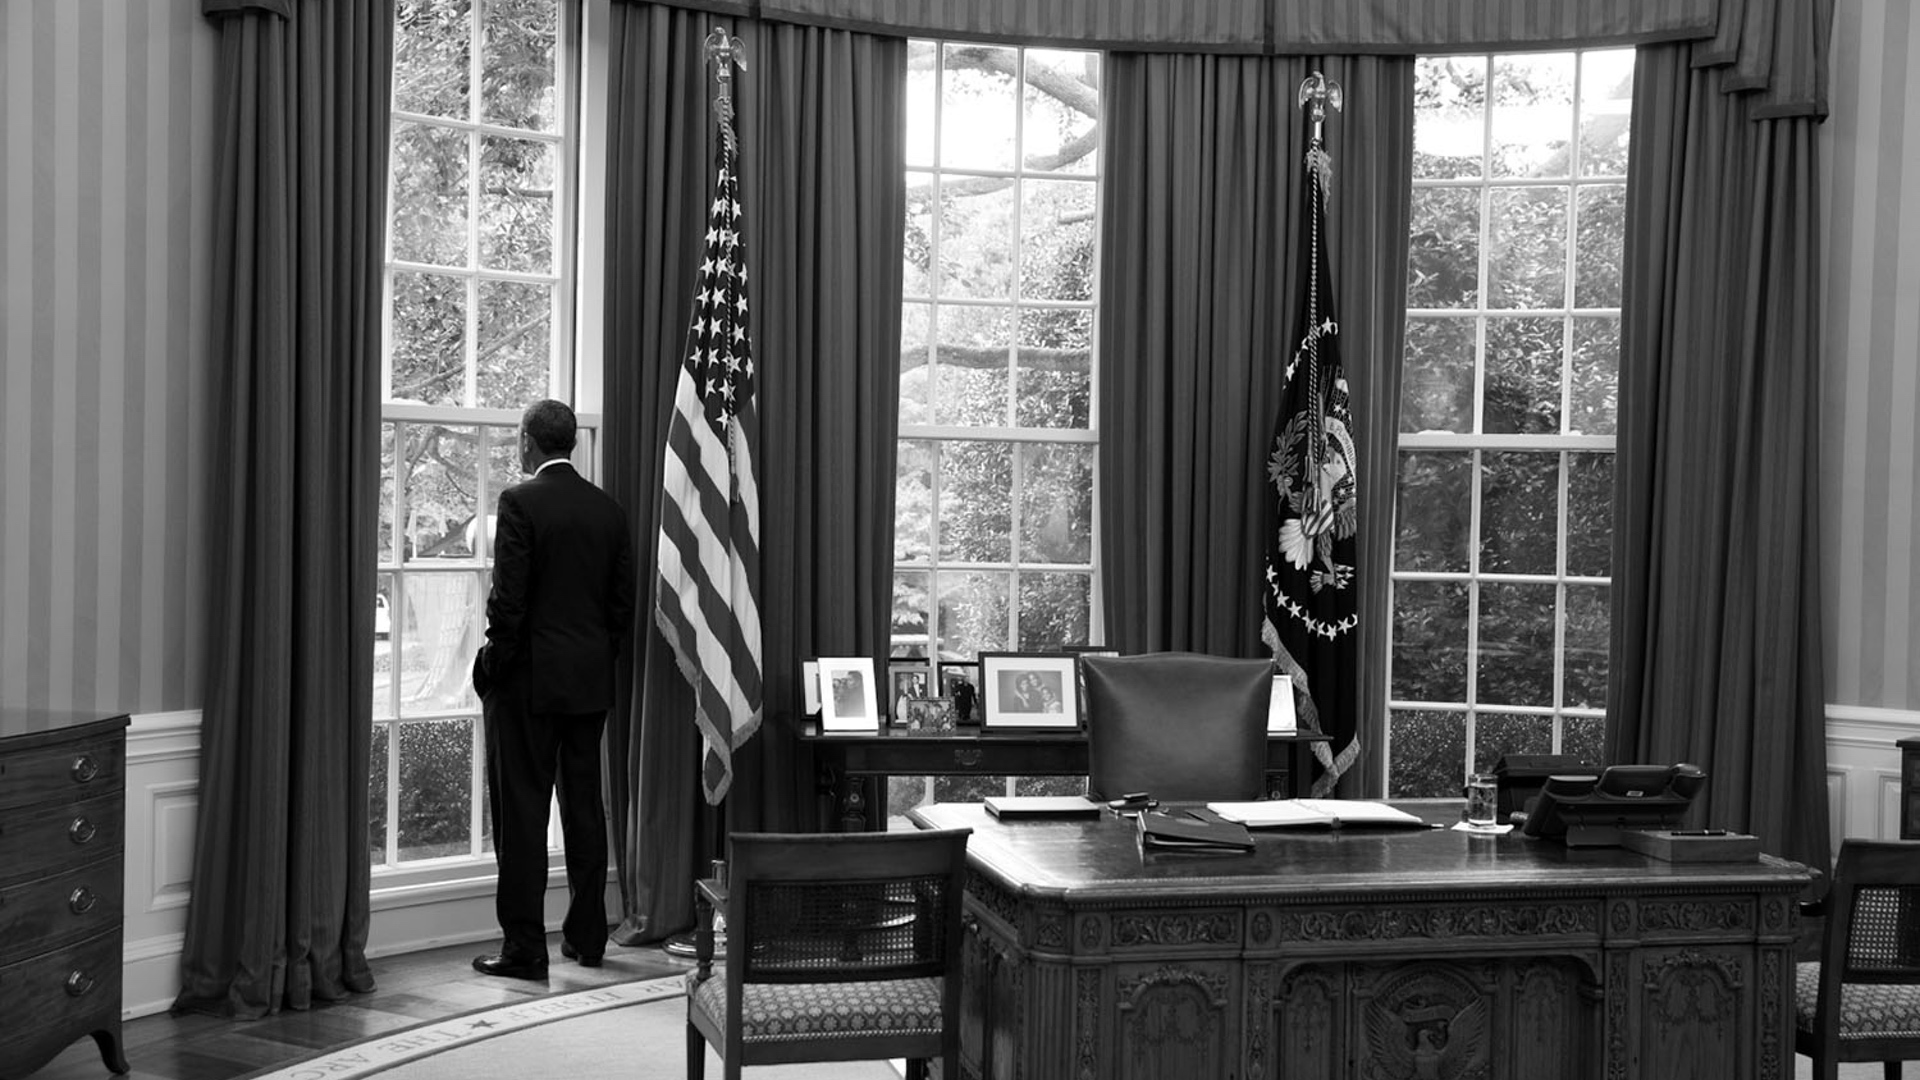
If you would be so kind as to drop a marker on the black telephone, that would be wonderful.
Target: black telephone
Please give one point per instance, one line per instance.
(1587, 810)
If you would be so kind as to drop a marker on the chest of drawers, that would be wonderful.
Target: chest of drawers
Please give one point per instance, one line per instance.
(62, 839)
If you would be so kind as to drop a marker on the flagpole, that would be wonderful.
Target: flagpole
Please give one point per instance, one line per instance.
(724, 52)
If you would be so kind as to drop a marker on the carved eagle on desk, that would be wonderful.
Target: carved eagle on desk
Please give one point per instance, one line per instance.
(1428, 1043)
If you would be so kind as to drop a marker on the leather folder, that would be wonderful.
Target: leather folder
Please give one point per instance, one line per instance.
(1189, 830)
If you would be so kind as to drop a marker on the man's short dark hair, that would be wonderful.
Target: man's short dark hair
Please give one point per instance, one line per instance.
(551, 426)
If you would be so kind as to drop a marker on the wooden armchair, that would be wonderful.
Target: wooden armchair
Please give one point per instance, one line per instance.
(839, 947)
(1861, 1000)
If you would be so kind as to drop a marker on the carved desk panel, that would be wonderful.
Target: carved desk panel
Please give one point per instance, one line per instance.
(1367, 955)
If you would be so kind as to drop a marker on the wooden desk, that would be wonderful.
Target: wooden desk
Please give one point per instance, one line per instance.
(1366, 955)
(845, 761)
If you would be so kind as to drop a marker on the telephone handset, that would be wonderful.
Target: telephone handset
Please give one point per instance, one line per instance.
(1588, 810)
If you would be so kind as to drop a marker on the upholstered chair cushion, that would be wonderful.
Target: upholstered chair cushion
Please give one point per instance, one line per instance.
(1179, 726)
(1867, 1010)
(775, 1012)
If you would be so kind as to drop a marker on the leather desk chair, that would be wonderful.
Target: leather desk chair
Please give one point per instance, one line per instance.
(1183, 727)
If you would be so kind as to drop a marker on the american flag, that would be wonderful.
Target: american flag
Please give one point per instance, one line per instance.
(1311, 604)
(706, 603)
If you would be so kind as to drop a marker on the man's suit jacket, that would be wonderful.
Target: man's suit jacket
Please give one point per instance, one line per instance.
(561, 602)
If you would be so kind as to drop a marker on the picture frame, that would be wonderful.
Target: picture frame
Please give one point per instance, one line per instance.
(849, 697)
(1280, 712)
(1030, 691)
(1080, 671)
(955, 674)
(810, 687)
(930, 716)
(908, 679)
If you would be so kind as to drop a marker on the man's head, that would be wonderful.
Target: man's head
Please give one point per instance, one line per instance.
(547, 430)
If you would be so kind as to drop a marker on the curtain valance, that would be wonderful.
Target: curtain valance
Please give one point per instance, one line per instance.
(1777, 48)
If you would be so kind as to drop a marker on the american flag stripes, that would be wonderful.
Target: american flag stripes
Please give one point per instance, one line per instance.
(1311, 602)
(706, 603)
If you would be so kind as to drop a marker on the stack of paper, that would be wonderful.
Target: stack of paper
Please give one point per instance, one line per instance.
(1329, 813)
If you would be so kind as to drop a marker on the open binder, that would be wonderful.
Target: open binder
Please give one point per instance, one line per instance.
(1191, 830)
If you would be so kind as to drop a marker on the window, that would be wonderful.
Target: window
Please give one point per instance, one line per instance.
(477, 305)
(1503, 511)
(994, 534)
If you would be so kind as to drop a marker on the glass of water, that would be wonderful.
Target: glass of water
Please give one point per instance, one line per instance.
(1482, 800)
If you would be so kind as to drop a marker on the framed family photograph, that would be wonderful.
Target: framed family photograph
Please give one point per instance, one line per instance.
(960, 683)
(1080, 673)
(908, 679)
(1029, 691)
(849, 700)
(930, 716)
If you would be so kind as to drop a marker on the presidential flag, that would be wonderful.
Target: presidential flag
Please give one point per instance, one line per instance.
(1310, 603)
(706, 602)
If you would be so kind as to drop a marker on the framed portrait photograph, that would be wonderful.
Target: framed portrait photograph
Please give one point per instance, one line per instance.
(1029, 691)
(930, 716)
(1080, 673)
(908, 679)
(960, 684)
(1280, 714)
(810, 687)
(849, 699)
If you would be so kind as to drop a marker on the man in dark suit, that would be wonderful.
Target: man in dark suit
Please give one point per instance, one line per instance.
(558, 615)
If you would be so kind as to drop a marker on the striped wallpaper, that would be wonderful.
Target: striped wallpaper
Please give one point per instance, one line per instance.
(105, 158)
(105, 154)
(1870, 465)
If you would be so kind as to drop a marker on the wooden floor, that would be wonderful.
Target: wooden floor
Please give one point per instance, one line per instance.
(409, 989)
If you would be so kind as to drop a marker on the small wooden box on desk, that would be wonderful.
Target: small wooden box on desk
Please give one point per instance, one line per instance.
(62, 835)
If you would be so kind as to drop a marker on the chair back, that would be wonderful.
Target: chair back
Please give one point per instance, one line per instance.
(845, 907)
(1180, 726)
(1873, 927)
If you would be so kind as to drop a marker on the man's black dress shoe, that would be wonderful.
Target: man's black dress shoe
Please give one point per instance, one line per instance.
(508, 967)
(567, 950)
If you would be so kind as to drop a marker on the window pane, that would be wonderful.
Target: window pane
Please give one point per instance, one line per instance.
(911, 607)
(1527, 248)
(923, 58)
(1056, 503)
(1532, 114)
(517, 63)
(429, 194)
(1590, 515)
(1602, 245)
(1432, 517)
(503, 471)
(1588, 619)
(1430, 641)
(1055, 369)
(429, 339)
(377, 795)
(1596, 375)
(516, 205)
(917, 257)
(1584, 737)
(1523, 376)
(385, 606)
(1495, 734)
(444, 622)
(1436, 382)
(436, 789)
(978, 107)
(1443, 254)
(1053, 610)
(914, 463)
(386, 553)
(430, 50)
(1428, 751)
(977, 238)
(1056, 240)
(970, 380)
(1449, 133)
(1515, 658)
(515, 346)
(976, 502)
(1606, 111)
(1519, 512)
(441, 472)
(1062, 100)
(974, 608)
(916, 369)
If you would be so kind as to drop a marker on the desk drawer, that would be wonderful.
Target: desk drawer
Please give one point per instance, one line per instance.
(41, 839)
(51, 911)
(75, 770)
(56, 997)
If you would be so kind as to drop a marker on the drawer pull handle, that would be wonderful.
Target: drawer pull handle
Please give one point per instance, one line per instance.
(84, 769)
(81, 830)
(966, 757)
(79, 984)
(81, 900)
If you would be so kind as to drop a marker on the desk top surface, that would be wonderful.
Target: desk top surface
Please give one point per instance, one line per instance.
(1098, 859)
(809, 731)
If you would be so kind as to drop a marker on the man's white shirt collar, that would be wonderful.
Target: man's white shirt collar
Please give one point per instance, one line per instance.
(550, 462)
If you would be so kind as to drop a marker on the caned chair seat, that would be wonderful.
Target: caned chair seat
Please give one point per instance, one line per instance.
(777, 1012)
(1867, 1010)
